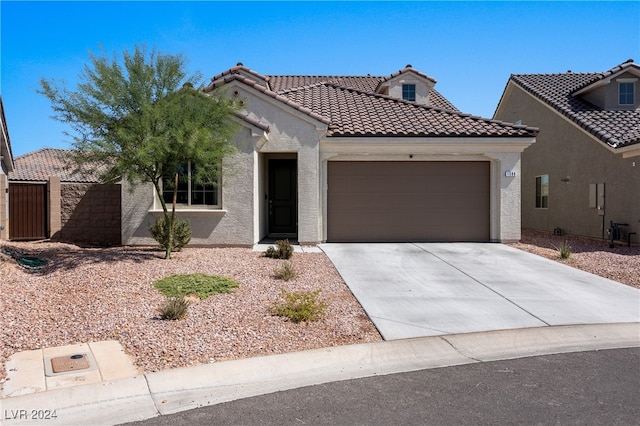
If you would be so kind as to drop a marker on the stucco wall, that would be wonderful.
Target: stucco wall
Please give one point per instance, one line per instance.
(290, 132)
(563, 151)
(241, 219)
(229, 225)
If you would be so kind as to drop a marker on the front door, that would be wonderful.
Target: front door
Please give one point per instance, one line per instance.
(283, 197)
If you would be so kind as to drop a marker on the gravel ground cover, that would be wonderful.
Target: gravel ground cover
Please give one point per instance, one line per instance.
(89, 294)
(620, 263)
(86, 294)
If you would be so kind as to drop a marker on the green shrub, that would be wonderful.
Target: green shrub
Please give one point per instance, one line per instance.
(564, 250)
(200, 285)
(298, 307)
(181, 233)
(284, 250)
(286, 272)
(174, 308)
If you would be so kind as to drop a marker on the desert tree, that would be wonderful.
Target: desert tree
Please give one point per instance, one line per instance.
(139, 117)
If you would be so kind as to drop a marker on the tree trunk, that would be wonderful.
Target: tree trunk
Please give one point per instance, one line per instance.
(173, 216)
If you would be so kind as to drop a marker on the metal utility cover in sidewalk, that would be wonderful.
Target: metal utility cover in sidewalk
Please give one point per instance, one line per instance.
(64, 364)
(67, 364)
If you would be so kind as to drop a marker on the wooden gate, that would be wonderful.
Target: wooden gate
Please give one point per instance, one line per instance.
(27, 211)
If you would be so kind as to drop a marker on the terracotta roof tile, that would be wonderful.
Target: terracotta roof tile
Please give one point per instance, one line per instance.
(617, 129)
(351, 107)
(356, 113)
(38, 165)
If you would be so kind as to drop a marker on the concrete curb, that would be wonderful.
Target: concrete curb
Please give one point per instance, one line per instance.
(171, 391)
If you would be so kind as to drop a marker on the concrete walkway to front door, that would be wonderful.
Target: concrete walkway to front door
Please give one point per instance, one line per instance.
(428, 289)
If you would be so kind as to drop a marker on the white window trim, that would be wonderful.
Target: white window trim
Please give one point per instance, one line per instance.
(194, 208)
(633, 90)
(415, 90)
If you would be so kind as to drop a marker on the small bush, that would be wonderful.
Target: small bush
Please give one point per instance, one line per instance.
(286, 272)
(284, 250)
(174, 308)
(564, 250)
(200, 285)
(298, 307)
(181, 233)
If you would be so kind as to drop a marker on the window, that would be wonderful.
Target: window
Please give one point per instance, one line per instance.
(409, 92)
(625, 93)
(190, 193)
(542, 192)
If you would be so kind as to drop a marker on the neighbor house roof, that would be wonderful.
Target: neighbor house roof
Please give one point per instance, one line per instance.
(616, 128)
(351, 107)
(38, 166)
(5, 141)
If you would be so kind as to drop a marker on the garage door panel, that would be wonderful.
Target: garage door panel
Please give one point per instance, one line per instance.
(408, 201)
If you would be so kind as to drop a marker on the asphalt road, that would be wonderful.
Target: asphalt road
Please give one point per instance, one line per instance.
(594, 388)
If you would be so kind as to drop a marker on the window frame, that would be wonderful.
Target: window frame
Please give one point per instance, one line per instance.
(542, 200)
(408, 91)
(629, 95)
(192, 188)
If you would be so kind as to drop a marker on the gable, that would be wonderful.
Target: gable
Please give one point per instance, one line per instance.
(568, 95)
(606, 95)
(395, 85)
(347, 106)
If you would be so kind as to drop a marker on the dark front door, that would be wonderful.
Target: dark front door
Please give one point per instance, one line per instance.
(283, 194)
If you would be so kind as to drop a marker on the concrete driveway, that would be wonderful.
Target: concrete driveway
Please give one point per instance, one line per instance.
(415, 290)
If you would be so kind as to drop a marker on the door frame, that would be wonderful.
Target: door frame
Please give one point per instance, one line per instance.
(293, 159)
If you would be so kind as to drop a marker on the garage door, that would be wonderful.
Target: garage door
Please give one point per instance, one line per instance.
(408, 201)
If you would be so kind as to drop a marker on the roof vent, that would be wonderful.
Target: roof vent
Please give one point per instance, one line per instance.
(240, 64)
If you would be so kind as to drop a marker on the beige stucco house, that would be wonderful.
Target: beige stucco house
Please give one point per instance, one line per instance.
(583, 172)
(6, 166)
(350, 158)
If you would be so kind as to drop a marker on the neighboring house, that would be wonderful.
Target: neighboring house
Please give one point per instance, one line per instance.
(48, 200)
(350, 158)
(6, 166)
(583, 172)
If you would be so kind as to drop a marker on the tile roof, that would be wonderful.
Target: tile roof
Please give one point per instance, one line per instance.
(351, 107)
(38, 165)
(617, 129)
(280, 83)
(355, 113)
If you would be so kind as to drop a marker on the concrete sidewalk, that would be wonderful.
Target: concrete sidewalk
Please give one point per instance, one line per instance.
(145, 396)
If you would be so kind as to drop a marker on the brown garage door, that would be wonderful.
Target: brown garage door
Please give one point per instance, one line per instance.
(408, 201)
(27, 211)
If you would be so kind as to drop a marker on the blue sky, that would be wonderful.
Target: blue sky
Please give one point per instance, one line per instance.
(470, 48)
